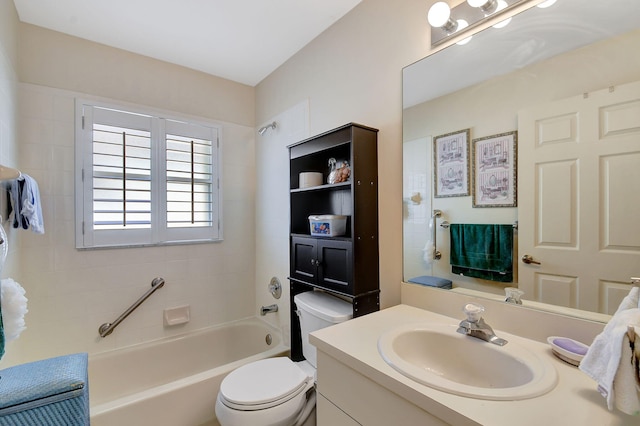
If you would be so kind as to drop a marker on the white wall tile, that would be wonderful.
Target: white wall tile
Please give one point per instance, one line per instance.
(71, 292)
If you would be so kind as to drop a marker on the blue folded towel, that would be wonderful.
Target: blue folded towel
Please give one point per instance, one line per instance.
(482, 251)
(430, 281)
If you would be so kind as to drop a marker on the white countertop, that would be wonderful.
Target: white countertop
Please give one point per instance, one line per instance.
(574, 400)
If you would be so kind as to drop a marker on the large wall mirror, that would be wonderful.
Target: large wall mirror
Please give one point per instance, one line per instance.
(563, 83)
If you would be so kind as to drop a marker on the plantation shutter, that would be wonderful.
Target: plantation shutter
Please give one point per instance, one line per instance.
(121, 177)
(146, 180)
(117, 177)
(191, 163)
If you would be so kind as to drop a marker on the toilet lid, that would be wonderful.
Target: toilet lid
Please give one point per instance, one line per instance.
(264, 382)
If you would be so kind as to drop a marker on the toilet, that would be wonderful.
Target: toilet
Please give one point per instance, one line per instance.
(278, 391)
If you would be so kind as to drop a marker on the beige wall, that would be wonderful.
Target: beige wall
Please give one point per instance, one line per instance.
(72, 292)
(53, 59)
(352, 72)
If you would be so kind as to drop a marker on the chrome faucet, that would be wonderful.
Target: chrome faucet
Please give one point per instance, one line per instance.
(475, 326)
(266, 309)
(513, 295)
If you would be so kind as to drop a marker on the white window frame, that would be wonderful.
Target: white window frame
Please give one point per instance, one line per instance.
(159, 124)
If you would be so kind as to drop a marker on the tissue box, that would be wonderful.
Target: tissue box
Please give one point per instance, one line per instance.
(327, 225)
(53, 391)
(310, 179)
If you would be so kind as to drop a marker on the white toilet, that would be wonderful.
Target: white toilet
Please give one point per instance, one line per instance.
(278, 391)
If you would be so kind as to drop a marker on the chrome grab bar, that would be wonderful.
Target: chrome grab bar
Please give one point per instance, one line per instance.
(437, 255)
(108, 327)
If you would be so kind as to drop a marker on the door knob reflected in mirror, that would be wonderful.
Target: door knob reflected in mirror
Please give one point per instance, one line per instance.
(529, 260)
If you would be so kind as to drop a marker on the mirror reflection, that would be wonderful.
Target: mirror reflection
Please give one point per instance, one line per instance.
(564, 82)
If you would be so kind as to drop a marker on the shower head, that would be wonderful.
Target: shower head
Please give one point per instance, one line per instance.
(263, 130)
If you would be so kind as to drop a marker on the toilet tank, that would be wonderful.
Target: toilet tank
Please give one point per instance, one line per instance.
(318, 310)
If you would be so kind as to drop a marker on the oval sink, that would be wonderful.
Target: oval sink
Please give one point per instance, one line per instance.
(439, 357)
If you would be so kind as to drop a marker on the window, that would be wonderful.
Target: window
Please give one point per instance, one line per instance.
(144, 180)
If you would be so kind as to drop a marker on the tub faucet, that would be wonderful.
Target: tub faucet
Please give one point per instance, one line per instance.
(266, 309)
(475, 326)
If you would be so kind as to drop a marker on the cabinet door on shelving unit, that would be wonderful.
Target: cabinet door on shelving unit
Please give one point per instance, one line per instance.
(304, 259)
(335, 270)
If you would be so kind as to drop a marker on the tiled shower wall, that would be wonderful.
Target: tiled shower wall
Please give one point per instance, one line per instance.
(72, 292)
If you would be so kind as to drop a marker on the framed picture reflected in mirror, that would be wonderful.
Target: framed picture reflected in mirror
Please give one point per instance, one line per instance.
(494, 170)
(451, 164)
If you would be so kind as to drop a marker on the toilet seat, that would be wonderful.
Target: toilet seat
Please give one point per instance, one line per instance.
(264, 384)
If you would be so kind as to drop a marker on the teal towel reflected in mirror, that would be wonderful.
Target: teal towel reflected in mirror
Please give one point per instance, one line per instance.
(482, 251)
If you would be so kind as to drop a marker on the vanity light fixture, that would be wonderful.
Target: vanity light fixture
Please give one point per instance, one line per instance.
(447, 22)
(439, 16)
(486, 6)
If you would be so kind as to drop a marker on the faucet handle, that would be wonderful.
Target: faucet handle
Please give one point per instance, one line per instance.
(473, 311)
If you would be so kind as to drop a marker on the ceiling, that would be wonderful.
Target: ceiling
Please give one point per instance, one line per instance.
(240, 40)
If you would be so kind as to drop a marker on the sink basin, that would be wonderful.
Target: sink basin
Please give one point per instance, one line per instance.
(439, 357)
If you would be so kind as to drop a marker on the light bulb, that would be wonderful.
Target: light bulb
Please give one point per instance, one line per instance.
(486, 6)
(439, 14)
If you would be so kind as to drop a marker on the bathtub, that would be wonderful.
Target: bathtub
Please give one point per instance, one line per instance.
(174, 381)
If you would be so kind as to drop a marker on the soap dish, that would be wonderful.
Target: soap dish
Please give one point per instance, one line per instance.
(568, 350)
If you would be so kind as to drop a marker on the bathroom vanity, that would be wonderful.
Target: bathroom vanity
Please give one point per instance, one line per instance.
(356, 386)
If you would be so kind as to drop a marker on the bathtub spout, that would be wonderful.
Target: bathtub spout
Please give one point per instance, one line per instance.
(266, 309)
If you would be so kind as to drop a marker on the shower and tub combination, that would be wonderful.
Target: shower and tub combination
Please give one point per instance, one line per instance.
(174, 381)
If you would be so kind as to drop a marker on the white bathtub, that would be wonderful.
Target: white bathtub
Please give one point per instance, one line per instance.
(174, 381)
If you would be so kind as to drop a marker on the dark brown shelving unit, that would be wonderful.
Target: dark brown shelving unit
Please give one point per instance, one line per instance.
(346, 266)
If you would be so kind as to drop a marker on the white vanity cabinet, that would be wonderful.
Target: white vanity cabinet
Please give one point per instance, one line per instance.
(332, 414)
(356, 385)
(348, 398)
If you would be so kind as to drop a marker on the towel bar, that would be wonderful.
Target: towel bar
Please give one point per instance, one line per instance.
(446, 224)
(437, 255)
(9, 173)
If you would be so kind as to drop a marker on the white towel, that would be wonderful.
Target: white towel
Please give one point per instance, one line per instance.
(430, 247)
(625, 389)
(632, 300)
(14, 308)
(605, 353)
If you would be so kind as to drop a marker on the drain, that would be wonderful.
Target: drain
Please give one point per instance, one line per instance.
(268, 339)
